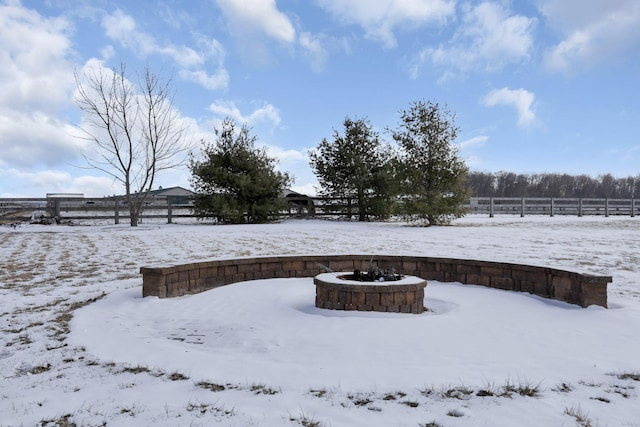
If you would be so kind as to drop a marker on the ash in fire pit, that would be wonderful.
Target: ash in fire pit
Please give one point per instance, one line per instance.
(374, 274)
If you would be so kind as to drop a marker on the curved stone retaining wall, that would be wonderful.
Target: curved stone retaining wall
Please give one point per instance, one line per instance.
(572, 287)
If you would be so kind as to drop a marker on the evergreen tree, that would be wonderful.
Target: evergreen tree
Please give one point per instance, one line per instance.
(433, 176)
(355, 166)
(235, 181)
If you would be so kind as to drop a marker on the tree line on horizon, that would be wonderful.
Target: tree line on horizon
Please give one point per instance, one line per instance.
(510, 184)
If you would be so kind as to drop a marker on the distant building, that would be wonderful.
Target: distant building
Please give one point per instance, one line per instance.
(301, 204)
(177, 195)
(65, 196)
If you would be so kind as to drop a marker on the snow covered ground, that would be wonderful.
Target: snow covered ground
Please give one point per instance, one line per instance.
(79, 345)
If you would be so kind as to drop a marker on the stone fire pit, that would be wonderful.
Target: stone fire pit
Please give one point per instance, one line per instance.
(339, 291)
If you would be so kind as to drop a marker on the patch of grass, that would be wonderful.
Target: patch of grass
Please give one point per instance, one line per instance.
(203, 408)
(635, 376)
(507, 389)
(427, 391)
(581, 417)
(563, 388)
(431, 424)
(60, 324)
(528, 389)
(63, 421)
(24, 339)
(360, 399)
(410, 403)
(131, 411)
(305, 421)
(461, 392)
(525, 388)
(211, 386)
(601, 399)
(40, 369)
(622, 391)
(589, 383)
(318, 392)
(263, 389)
(394, 395)
(18, 330)
(177, 376)
(139, 369)
(56, 347)
(489, 390)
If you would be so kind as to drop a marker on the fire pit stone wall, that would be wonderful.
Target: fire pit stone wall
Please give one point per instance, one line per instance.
(402, 296)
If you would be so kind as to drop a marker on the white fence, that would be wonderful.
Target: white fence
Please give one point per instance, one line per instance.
(115, 210)
(552, 206)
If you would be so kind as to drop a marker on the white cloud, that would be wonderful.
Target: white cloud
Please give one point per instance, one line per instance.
(288, 156)
(258, 16)
(314, 50)
(520, 99)
(35, 71)
(476, 141)
(123, 29)
(267, 113)
(39, 183)
(37, 138)
(36, 77)
(592, 30)
(200, 77)
(379, 18)
(488, 37)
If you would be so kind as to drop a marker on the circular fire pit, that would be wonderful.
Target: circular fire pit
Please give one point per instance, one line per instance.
(336, 291)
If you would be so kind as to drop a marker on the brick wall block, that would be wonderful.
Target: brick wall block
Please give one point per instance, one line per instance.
(504, 283)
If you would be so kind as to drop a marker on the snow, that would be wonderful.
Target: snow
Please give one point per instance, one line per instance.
(80, 344)
(339, 277)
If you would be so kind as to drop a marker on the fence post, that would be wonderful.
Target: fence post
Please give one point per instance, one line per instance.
(490, 207)
(116, 212)
(522, 208)
(633, 208)
(606, 207)
(169, 211)
(580, 207)
(551, 207)
(56, 210)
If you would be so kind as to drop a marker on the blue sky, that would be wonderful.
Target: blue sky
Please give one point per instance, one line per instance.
(537, 86)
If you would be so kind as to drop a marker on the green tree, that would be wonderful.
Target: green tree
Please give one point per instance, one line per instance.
(235, 181)
(433, 176)
(355, 165)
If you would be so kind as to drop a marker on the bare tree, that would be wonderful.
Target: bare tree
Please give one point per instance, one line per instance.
(135, 130)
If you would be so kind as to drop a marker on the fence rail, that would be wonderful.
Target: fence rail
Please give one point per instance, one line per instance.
(552, 206)
(114, 209)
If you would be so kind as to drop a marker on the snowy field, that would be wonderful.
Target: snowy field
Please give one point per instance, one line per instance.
(79, 346)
